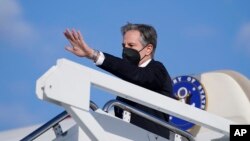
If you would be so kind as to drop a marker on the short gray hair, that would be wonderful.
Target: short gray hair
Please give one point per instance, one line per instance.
(148, 33)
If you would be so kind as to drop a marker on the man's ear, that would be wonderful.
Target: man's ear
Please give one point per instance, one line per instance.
(149, 49)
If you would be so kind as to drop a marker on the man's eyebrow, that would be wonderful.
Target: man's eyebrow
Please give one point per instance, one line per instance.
(131, 43)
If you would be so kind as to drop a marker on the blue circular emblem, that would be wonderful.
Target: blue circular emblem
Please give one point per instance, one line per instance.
(189, 90)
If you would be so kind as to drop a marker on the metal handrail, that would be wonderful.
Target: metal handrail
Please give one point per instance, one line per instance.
(93, 106)
(53, 122)
(152, 118)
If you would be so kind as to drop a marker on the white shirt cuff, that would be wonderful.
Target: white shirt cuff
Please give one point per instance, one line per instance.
(100, 59)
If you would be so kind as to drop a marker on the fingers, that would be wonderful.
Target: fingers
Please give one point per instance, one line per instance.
(78, 45)
(70, 49)
(67, 34)
(73, 35)
(79, 35)
(80, 38)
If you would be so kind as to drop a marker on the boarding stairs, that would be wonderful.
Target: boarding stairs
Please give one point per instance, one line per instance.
(68, 84)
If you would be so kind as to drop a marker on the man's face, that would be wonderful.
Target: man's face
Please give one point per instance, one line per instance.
(132, 39)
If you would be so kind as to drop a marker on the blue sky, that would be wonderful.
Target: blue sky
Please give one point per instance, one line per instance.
(194, 37)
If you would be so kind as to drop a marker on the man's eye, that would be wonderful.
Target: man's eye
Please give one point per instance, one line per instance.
(130, 45)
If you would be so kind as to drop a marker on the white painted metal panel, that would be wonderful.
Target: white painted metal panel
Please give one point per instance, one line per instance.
(84, 75)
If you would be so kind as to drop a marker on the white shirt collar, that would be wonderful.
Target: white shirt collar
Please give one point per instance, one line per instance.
(145, 63)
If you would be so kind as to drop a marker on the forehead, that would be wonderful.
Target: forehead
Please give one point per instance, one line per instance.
(132, 36)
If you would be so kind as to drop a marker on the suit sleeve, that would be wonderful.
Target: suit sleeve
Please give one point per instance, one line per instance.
(151, 77)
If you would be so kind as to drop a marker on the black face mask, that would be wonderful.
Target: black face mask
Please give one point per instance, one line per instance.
(132, 55)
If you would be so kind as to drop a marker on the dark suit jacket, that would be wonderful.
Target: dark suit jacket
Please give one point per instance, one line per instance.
(154, 77)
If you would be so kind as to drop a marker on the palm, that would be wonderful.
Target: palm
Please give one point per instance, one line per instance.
(78, 46)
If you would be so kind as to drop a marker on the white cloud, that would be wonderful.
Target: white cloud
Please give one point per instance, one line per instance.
(14, 29)
(243, 37)
(199, 32)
